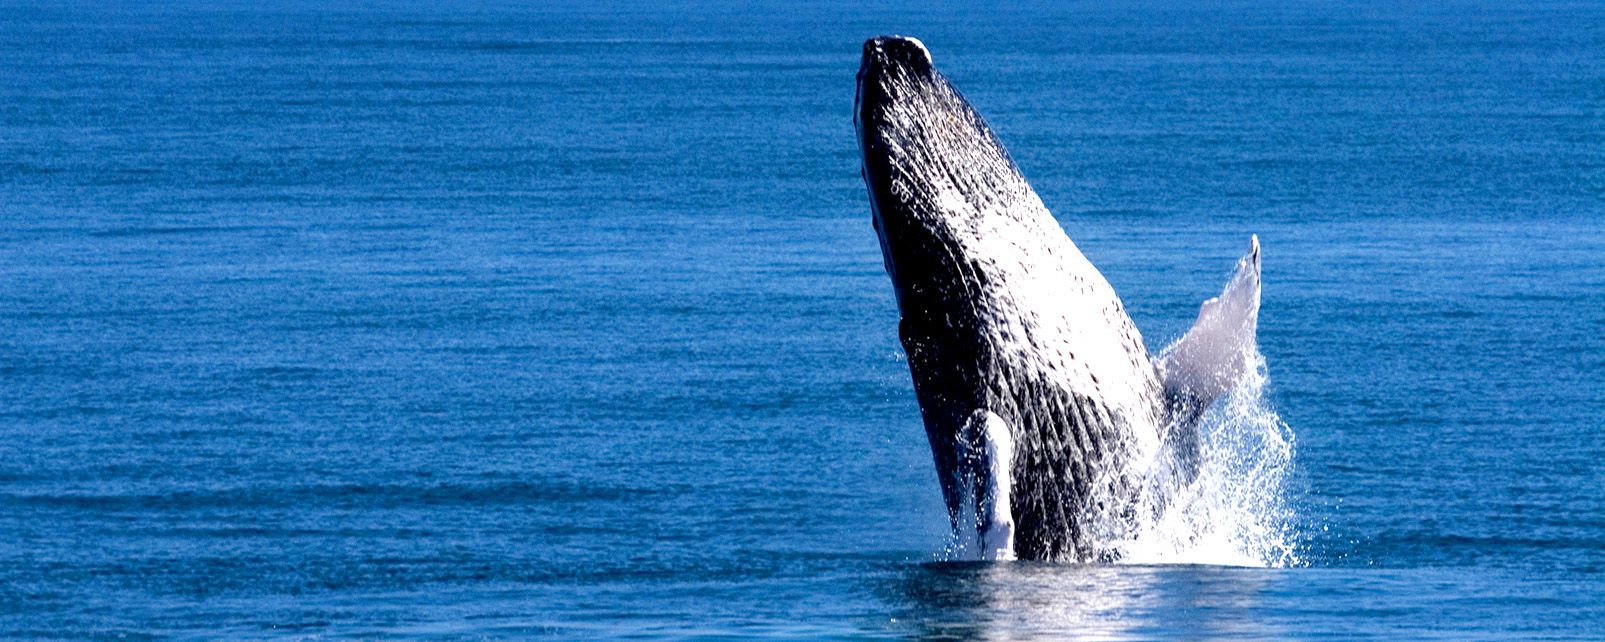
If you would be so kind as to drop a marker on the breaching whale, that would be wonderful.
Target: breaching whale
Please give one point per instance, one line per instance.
(1044, 409)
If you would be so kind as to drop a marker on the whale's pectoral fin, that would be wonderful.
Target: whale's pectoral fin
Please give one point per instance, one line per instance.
(1218, 350)
(986, 466)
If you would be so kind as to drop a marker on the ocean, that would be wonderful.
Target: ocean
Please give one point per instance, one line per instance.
(410, 320)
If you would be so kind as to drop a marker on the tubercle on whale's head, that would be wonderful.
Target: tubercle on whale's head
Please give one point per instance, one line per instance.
(887, 51)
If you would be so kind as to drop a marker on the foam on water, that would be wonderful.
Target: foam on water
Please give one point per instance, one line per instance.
(1216, 493)
(1234, 509)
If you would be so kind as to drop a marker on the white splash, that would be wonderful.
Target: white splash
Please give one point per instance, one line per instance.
(1234, 509)
(1216, 494)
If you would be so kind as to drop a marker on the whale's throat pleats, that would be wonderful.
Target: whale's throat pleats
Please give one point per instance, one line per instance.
(1072, 457)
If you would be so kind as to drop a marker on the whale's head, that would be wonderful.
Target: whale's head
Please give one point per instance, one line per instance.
(938, 178)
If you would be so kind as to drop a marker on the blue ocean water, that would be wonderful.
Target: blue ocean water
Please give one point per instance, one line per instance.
(477, 321)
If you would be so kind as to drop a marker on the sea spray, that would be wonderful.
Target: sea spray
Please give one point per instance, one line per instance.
(1232, 506)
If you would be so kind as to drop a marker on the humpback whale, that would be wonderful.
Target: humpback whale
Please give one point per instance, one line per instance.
(1044, 409)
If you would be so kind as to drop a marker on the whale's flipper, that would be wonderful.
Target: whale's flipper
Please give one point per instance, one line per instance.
(986, 464)
(1215, 354)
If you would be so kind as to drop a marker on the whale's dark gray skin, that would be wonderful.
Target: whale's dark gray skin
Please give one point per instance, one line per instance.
(1044, 410)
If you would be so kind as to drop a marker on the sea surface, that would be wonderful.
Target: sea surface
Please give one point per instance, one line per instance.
(482, 321)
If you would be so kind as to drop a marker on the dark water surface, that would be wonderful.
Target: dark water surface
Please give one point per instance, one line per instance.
(463, 322)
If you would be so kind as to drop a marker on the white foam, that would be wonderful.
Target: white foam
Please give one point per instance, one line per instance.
(1234, 511)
